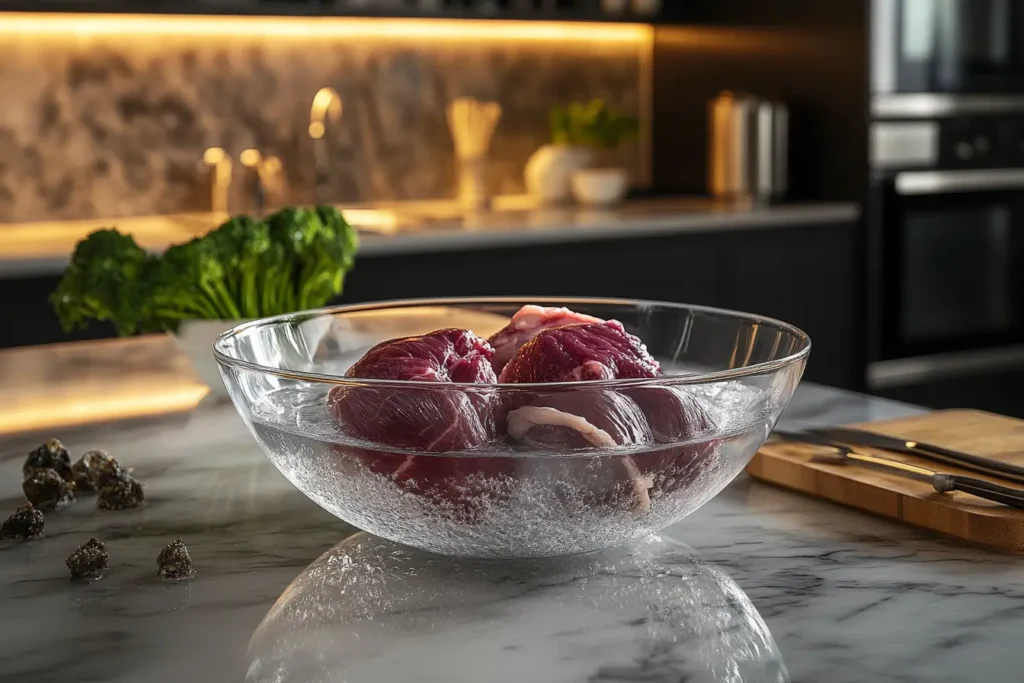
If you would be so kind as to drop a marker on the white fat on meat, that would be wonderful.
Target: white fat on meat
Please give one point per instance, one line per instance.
(527, 323)
(522, 420)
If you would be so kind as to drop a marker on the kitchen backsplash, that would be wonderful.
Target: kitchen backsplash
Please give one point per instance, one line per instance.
(109, 126)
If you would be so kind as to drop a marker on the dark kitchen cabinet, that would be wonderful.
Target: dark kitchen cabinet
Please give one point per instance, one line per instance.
(659, 268)
(803, 275)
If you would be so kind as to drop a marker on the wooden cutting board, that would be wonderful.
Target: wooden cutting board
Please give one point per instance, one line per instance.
(809, 469)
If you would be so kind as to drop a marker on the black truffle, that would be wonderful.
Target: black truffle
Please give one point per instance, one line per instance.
(26, 522)
(95, 470)
(52, 455)
(174, 562)
(45, 489)
(122, 494)
(89, 560)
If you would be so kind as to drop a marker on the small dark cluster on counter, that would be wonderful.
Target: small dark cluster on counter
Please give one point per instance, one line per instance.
(51, 482)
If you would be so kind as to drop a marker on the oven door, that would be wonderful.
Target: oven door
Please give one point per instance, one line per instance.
(952, 261)
(947, 46)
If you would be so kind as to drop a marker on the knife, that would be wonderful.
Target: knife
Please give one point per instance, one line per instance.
(948, 456)
(940, 481)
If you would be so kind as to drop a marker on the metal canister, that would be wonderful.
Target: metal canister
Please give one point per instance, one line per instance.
(748, 148)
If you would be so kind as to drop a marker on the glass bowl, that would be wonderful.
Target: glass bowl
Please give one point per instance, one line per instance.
(728, 377)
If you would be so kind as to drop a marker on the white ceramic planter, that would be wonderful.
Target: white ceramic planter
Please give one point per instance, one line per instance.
(195, 340)
(549, 172)
(600, 187)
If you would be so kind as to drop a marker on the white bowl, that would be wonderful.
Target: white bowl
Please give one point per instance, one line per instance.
(195, 339)
(600, 186)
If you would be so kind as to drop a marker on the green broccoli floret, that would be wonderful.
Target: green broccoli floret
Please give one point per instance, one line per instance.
(191, 282)
(246, 268)
(321, 246)
(104, 282)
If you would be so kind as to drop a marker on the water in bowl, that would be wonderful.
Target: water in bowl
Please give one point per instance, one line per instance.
(501, 502)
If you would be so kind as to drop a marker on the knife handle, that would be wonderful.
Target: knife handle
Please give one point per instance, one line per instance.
(980, 488)
(975, 463)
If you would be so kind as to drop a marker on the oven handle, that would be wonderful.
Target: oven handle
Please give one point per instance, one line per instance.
(948, 182)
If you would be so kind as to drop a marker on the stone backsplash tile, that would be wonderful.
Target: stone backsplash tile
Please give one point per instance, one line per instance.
(116, 126)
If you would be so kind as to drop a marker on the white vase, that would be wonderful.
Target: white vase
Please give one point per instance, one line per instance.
(549, 171)
(600, 187)
(195, 339)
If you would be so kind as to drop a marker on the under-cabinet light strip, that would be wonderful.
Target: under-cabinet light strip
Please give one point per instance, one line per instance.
(352, 28)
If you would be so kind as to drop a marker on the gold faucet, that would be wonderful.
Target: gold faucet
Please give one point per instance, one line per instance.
(220, 184)
(271, 189)
(326, 106)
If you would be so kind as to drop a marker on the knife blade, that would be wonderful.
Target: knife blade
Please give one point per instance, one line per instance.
(942, 482)
(948, 456)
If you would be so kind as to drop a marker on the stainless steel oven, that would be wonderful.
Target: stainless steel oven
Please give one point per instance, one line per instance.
(942, 57)
(946, 231)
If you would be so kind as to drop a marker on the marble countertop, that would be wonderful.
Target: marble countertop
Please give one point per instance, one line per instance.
(768, 582)
(64, 385)
(36, 249)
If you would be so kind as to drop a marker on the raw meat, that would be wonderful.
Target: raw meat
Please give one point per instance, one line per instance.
(589, 419)
(433, 420)
(633, 416)
(580, 419)
(526, 324)
(418, 436)
(423, 419)
(673, 414)
(675, 417)
(443, 356)
(587, 351)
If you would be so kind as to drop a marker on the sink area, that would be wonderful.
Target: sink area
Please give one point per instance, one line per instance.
(389, 218)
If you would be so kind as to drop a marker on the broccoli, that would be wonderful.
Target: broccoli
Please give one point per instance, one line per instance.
(103, 282)
(246, 268)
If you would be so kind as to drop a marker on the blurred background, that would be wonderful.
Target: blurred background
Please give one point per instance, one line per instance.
(854, 167)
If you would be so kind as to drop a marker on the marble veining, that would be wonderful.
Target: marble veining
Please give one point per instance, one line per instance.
(109, 126)
(778, 583)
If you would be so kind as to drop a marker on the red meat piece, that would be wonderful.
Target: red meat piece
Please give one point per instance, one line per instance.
(587, 351)
(674, 417)
(580, 419)
(526, 324)
(583, 420)
(436, 421)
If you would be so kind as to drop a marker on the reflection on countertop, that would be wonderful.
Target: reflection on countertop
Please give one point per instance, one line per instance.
(62, 385)
(43, 248)
(650, 611)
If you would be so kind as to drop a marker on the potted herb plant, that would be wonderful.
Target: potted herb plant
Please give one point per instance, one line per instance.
(581, 134)
(602, 129)
(247, 268)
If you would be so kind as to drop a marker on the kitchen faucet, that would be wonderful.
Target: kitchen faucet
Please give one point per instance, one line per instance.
(326, 106)
(219, 163)
(271, 188)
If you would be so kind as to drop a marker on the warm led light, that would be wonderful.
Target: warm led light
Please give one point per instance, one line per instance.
(249, 157)
(385, 221)
(213, 156)
(307, 28)
(129, 403)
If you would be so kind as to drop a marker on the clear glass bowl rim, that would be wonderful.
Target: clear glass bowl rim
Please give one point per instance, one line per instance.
(696, 378)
